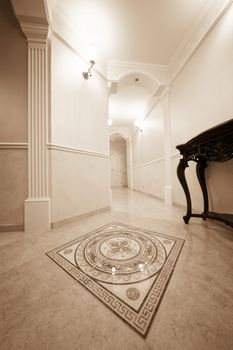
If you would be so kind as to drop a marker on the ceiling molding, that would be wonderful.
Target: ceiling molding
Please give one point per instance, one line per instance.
(117, 69)
(138, 65)
(210, 15)
(72, 38)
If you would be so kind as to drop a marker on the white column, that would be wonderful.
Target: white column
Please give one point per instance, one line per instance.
(167, 148)
(37, 206)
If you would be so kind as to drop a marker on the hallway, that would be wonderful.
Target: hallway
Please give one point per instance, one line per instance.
(44, 308)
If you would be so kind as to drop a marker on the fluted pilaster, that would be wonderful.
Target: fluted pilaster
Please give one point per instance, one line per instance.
(37, 120)
(37, 206)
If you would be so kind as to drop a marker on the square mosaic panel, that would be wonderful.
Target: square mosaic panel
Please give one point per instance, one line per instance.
(125, 267)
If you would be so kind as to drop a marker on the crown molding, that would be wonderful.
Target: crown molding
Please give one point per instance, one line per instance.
(210, 15)
(138, 65)
(159, 73)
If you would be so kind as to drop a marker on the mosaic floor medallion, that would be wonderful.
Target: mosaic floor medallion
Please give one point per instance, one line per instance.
(127, 268)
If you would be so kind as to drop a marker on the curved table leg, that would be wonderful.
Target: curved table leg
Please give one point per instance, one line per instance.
(200, 169)
(183, 164)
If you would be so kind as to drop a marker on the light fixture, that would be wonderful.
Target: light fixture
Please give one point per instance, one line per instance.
(109, 122)
(138, 125)
(91, 57)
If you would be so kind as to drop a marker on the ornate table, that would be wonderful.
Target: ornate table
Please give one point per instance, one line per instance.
(212, 145)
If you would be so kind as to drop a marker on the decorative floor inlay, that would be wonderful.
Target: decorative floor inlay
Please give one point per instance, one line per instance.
(127, 268)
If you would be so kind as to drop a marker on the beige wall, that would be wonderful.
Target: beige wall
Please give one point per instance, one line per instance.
(148, 155)
(13, 117)
(201, 97)
(13, 186)
(13, 78)
(79, 114)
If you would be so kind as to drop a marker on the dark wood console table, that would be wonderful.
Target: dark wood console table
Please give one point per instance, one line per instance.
(212, 145)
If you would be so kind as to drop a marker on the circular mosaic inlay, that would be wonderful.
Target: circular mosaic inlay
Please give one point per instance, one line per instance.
(132, 293)
(120, 256)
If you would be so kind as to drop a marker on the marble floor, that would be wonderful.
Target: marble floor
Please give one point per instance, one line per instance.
(42, 307)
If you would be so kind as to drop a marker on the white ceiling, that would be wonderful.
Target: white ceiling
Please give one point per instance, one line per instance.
(133, 30)
(145, 31)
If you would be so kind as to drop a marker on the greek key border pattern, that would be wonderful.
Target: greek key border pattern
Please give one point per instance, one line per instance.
(139, 321)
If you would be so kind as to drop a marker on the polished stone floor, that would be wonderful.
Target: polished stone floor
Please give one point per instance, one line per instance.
(125, 267)
(42, 307)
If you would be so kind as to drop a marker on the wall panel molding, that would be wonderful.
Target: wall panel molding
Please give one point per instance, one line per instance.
(13, 145)
(157, 160)
(154, 161)
(175, 155)
(68, 149)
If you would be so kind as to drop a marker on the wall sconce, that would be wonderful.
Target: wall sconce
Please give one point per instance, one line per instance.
(138, 125)
(91, 57)
(109, 122)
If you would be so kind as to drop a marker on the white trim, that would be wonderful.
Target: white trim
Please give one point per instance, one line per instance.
(157, 160)
(118, 69)
(77, 45)
(138, 65)
(175, 155)
(62, 148)
(75, 218)
(13, 145)
(210, 15)
(60, 38)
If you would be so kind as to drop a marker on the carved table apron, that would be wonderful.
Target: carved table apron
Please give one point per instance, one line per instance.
(212, 145)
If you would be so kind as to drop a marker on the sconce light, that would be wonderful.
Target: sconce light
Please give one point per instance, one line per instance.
(109, 122)
(138, 125)
(91, 57)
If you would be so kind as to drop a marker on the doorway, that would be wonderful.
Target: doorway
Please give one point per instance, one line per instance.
(118, 154)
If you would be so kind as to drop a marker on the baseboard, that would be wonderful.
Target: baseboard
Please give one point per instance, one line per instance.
(75, 218)
(149, 195)
(11, 228)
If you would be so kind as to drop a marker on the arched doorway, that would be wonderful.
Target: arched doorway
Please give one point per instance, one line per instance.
(118, 154)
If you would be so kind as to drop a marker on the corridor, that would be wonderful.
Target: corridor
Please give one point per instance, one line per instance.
(45, 308)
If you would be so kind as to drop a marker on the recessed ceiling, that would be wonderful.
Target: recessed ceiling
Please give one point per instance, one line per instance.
(133, 30)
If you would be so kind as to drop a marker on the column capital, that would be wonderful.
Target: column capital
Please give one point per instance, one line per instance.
(35, 29)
